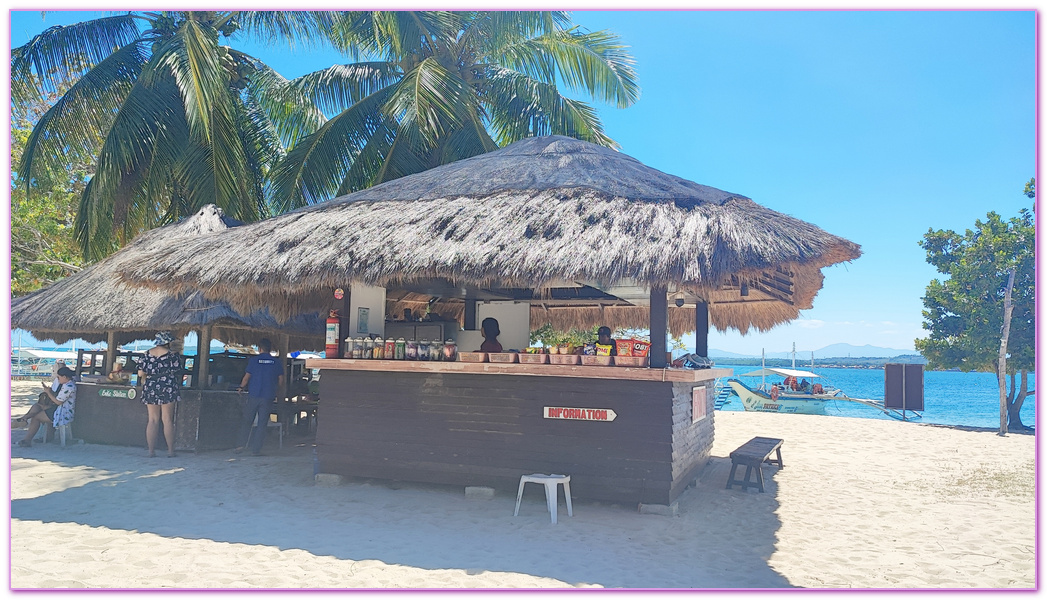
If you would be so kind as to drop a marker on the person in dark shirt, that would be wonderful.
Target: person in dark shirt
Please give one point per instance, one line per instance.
(262, 380)
(603, 337)
(490, 331)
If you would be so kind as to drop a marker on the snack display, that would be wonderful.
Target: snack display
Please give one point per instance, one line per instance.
(640, 348)
(624, 347)
(589, 349)
(603, 349)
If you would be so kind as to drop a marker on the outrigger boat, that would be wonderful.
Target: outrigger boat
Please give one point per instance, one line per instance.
(788, 396)
(792, 396)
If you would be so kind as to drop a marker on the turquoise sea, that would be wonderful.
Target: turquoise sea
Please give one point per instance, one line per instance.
(950, 397)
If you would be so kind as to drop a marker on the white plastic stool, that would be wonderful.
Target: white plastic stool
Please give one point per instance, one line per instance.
(61, 430)
(550, 482)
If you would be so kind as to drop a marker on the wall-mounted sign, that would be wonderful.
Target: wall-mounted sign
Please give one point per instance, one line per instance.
(579, 414)
(699, 405)
(362, 315)
(339, 293)
(129, 393)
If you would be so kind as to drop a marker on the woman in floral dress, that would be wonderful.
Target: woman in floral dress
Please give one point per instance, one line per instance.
(160, 377)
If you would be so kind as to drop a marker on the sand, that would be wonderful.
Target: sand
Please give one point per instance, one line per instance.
(861, 503)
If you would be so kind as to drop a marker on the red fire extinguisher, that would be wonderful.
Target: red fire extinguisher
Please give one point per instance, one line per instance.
(331, 344)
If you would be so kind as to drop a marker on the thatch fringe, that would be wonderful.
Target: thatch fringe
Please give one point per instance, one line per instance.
(541, 210)
(96, 300)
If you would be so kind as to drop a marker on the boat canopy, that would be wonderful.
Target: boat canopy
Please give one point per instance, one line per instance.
(780, 372)
(33, 353)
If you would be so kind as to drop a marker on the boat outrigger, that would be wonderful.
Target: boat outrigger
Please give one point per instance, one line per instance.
(799, 393)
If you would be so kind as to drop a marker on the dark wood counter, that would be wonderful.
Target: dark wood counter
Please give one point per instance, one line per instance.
(626, 436)
(204, 419)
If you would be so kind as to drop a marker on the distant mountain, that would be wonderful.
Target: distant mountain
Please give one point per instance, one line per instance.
(866, 351)
(831, 351)
(714, 353)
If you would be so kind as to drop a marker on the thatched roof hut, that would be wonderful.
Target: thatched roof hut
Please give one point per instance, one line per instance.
(95, 301)
(543, 214)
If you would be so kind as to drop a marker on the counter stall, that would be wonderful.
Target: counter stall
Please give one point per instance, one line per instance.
(108, 413)
(624, 435)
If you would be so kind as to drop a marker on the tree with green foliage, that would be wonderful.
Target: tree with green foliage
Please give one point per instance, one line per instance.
(168, 111)
(965, 312)
(433, 87)
(43, 248)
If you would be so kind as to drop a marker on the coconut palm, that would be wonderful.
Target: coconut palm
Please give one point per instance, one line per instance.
(164, 109)
(429, 88)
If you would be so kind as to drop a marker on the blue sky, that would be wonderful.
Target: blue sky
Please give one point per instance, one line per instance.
(874, 125)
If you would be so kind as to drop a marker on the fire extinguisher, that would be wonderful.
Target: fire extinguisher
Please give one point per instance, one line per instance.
(331, 345)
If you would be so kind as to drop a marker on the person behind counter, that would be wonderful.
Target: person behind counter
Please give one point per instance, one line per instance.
(489, 329)
(160, 376)
(59, 411)
(263, 378)
(603, 338)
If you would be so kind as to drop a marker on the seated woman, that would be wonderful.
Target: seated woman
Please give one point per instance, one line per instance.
(489, 329)
(59, 409)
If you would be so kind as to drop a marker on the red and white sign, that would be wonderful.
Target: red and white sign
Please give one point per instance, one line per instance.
(580, 414)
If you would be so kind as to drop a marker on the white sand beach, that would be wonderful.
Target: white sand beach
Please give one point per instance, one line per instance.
(861, 503)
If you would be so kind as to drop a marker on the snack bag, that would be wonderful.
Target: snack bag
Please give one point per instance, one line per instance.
(640, 348)
(603, 349)
(625, 347)
(589, 349)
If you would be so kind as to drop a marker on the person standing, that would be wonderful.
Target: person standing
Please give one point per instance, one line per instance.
(264, 376)
(160, 377)
(490, 330)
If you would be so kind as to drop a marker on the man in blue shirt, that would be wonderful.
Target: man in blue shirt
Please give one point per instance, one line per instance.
(263, 379)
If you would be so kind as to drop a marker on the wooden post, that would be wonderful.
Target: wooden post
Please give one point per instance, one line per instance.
(285, 350)
(701, 329)
(110, 352)
(659, 325)
(203, 357)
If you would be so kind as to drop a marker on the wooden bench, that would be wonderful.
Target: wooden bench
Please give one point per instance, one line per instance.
(753, 454)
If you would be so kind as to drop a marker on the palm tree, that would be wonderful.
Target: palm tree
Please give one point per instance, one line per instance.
(165, 111)
(436, 87)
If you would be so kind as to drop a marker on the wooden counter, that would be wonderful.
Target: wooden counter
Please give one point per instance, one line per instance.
(624, 435)
(544, 370)
(204, 419)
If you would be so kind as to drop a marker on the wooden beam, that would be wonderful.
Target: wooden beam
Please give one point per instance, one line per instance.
(285, 349)
(110, 351)
(701, 329)
(659, 325)
(203, 357)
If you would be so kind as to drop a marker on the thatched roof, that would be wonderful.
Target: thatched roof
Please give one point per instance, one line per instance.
(538, 211)
(97, 300)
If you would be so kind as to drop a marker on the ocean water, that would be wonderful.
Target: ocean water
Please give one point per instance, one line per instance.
(949, 397)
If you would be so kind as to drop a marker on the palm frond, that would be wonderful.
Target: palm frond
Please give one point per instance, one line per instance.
(314, 168)
(73, 125)
(430, 98)
(60, 54)
(521, 107)
(291, 113)
(595, 62)
(309, 28)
